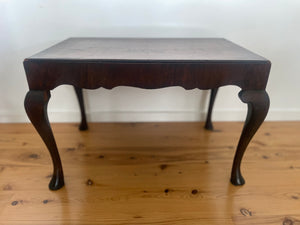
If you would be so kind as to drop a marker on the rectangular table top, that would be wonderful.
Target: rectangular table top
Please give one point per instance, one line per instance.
(147, 49)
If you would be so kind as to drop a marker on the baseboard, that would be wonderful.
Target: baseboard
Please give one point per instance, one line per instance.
(125, 116)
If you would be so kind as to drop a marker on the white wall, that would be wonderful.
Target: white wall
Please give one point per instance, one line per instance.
(270, 28)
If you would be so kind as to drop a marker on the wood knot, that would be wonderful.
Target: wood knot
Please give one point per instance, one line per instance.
(101, 156)
(295, 197)
(287, 221)
(245, 212)
(195, 191)
(137, 217)
(89, 182)
(163, 166)
(46, 201)
(71, 149)
(34, 156)
(15, 203)
(168, 190)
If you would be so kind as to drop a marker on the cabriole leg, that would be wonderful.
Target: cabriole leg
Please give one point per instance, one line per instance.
(208, 124)
(83, 125)
(36, 108)
(258, 106)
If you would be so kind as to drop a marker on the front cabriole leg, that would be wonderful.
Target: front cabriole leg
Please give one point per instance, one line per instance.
(36, 108)
(258, 106)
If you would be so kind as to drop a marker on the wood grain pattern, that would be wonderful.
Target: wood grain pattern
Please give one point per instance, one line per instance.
(147, 49)
(150, 173)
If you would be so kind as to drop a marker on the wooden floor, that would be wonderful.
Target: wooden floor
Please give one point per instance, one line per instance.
(150, 173)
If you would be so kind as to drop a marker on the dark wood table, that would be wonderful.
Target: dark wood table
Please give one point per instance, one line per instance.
(91, 63)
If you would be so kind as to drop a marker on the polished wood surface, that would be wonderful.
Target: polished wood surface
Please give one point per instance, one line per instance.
(151, 173)
(146, 63)
(147, 49)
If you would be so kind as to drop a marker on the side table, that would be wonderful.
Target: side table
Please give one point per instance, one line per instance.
(203, 63)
